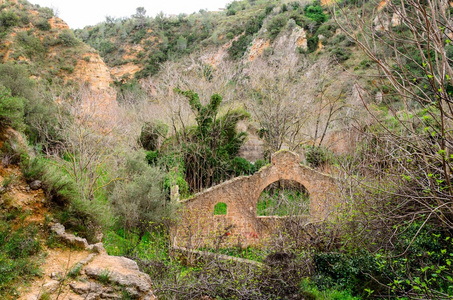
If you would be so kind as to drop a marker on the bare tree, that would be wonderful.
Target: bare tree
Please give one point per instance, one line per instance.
(294, 104)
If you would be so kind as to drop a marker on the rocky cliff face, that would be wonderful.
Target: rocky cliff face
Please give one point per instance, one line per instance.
(94, 73)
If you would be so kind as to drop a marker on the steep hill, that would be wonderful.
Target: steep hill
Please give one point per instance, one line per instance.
(33, 36)
(241, 52)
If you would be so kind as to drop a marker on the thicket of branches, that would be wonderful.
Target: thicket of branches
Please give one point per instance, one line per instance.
(404, 192)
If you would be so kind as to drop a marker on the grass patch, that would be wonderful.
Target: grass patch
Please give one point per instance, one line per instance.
(280, 200)
(310, 291)
(19, 250)
(104, 277)
(75, 271)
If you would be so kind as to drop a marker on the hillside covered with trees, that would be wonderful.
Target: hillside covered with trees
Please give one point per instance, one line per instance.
(109, 130)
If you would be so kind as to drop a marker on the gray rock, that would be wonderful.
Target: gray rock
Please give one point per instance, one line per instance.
(69, 238)
(58, 229)
(35, 185)
(51, 286)
(97, 248)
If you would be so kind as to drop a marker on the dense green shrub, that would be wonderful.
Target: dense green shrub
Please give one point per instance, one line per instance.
(8, 18)
(238, 47)
(140, 199)
(152, 64)
(259, 164)
(300, 19)
(241, 166)
(106, 47)
(67, 38)
(276, 25)
(316, 13)
(220, 209)
(16, 79)
(11, 110)
(208, 150)
(341, 54)
(139, 35)
(152, 156)
(269, 9)
(336, 40)
(31, 44)
(348, 272)
(39, 107)
(316, 156)
(42, 24)
(327, 30)
(312, 44)
(46, 12)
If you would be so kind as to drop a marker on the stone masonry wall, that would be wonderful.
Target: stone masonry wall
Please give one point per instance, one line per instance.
(198, 226)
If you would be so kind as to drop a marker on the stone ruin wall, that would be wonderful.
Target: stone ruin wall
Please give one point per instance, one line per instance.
(199, 227)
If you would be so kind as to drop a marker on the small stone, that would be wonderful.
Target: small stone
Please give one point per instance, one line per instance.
(97, 248)
(35, 185)
(58, 229)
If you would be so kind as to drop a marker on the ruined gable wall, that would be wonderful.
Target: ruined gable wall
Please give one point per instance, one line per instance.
(199, 227)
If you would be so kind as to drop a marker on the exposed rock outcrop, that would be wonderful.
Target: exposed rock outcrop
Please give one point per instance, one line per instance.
(95, 275)
(122, 272)
(288, 44)
(257, 48)
(216, 58)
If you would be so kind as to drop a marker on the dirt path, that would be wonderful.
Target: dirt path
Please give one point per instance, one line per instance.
(58, 263)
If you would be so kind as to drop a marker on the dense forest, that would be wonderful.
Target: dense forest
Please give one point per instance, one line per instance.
(112, 129)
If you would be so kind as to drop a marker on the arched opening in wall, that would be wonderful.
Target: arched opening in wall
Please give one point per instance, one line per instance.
(283, 198)
(220, 209)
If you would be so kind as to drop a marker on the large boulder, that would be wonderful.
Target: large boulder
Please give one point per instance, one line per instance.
(122, 272)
